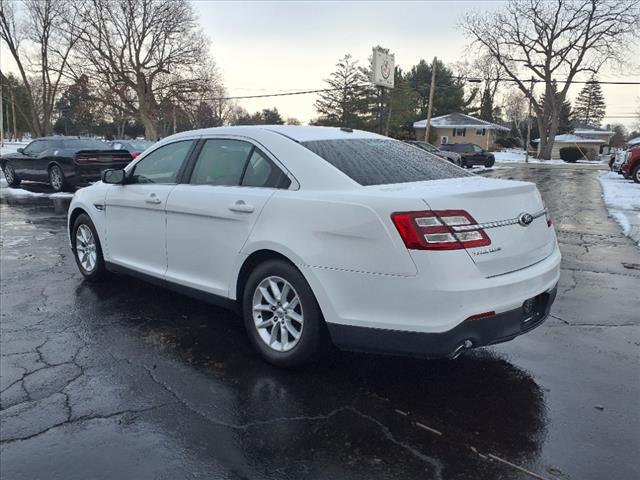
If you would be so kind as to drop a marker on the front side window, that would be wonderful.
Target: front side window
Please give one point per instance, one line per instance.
(36, 147)
(373, 161)
(477, 149)
(221, 162)
(162, 165)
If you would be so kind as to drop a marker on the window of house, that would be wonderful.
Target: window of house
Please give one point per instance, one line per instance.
(459, 132)
(481, 132)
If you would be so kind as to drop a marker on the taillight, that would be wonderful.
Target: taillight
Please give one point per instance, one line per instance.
(135, 154)
(436, 230)
(548, 216)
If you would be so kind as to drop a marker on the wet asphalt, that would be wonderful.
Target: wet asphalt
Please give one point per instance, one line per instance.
(128, 380)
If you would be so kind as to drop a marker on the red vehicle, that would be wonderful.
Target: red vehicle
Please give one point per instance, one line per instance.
(631, 168)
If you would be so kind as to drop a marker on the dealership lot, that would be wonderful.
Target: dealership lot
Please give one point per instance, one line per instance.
(124, 379)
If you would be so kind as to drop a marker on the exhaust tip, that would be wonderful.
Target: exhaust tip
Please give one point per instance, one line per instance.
(466, 345)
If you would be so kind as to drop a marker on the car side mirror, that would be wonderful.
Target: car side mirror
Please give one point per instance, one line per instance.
(20, 150)
(113, 176)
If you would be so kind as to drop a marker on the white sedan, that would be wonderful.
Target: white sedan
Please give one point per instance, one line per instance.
(319, 235)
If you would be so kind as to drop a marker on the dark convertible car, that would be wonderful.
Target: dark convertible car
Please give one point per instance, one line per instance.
(63, 162)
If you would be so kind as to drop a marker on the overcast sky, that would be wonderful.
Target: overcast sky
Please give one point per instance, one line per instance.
(265, 47)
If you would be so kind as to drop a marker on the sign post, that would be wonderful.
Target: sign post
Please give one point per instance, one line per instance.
(383, 76)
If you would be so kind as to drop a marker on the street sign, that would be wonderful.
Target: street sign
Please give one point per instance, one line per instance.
(383, 68)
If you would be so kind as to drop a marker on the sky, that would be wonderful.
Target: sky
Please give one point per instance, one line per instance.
(268, 47)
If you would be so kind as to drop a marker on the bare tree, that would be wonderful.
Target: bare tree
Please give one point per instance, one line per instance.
(554, 40)
(514, 106)
(153, 48)
(40, 41)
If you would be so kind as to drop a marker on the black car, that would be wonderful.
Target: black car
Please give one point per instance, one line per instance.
(427, 147)
(134, 147)
(471, 154)
(63, 162)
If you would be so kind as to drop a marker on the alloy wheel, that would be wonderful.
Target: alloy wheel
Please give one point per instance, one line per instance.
(55, 177)
(86, 248)
(277, 314)
(9, 174)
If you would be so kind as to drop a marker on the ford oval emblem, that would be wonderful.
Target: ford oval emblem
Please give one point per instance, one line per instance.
(525, 219)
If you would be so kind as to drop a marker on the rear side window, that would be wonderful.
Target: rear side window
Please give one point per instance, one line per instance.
(373, 161)
(221, 162)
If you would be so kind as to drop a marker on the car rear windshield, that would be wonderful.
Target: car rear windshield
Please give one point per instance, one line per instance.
(85, 144)
(373, 161)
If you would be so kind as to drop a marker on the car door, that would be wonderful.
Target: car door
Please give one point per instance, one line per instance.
(135, 212)
(27, 165)
(210, 217)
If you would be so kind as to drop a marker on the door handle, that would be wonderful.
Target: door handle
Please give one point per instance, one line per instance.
(241, 207)
(153, 199)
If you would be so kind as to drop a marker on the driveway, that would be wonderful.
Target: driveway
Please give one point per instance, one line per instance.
(128, 380)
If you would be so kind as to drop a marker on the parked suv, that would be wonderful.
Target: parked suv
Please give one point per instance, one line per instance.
(471, 154)
(631, 167)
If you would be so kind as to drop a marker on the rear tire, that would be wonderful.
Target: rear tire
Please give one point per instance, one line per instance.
(87, 249)
(284, 323)
(56, 179)
(10, 176)
(635, 174)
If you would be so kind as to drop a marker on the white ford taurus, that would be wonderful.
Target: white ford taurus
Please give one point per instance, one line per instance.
(326, 234)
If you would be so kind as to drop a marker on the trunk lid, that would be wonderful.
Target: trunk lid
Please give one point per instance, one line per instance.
(513, 246)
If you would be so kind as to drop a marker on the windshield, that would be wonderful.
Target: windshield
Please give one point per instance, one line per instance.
(373, 161)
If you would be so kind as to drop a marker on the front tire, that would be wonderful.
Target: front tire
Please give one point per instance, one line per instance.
(490, 162)
(87, 249)
(635, 174)
(281, 315)
(56, 179)
(10, 176)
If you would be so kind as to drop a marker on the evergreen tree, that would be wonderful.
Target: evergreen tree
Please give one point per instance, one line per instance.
(271, 116)
(590, 106)
(347, 103)
(449, 92)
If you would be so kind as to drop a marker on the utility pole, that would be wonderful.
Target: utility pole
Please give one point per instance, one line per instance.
(174, 119)
(431, 90)
(526, 147)
(381, 111)
(1, 117)
(13, 116)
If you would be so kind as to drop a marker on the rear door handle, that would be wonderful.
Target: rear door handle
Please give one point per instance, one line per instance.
(153, 199)
(241, 207)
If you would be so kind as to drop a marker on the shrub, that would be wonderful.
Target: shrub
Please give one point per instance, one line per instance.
(571, 154)
(592, 154)
(508, 142)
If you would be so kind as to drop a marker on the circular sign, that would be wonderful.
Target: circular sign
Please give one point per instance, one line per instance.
(385, 69)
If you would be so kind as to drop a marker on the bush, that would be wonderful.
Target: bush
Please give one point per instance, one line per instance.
(508, 142)
(571, 154)
(592, 154)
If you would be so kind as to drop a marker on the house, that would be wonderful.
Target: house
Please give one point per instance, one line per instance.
(591, 132)
(572, 140)
(460, 128)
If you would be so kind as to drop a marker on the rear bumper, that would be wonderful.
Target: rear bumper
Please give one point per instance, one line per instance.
(487, 331)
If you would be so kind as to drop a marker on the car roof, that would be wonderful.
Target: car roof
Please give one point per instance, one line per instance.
(297, 133)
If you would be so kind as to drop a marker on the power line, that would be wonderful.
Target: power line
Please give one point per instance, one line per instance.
(468, 79)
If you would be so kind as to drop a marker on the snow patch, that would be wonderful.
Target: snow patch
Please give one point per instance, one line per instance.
(622, 198)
